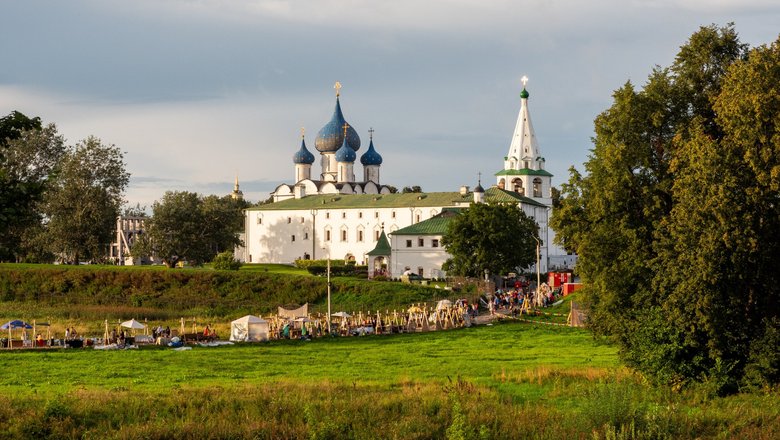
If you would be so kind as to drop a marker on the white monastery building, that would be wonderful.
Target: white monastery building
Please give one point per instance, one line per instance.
(338, 216)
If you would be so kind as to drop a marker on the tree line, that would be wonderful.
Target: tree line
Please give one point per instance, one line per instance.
(60, 202)
(677, 219)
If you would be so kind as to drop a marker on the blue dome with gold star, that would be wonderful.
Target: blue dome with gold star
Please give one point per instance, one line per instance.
(371, 157)
(331, 136)
(303, 156)
(345, 153)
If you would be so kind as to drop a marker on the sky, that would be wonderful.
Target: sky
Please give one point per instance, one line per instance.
(195, 92)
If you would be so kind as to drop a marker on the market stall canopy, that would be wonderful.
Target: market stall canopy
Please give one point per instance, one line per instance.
(444, 304)
(17, 323)
(132, 324)
(249, 328)
(342, 315)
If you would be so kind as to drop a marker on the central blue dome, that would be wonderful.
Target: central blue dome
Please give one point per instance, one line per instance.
(371, 157)
(331, 136)
(303, 156)
(345, 153)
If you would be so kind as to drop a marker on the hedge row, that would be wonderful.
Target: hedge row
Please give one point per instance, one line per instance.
(218, 293)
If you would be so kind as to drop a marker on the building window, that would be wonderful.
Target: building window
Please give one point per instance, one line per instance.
(393, 215)
(289, 219)
(408, 243)
(302, 219)
(420, 242)
(327, 215)
(417, 218)
(420, 271)
(259, 220)
(305, 235)
(293, 238)
(327, 235)
(376, 214)
(343, 215)
(537, 187)
(376, 235)
(360, 235)
(360, 214)
(344, 235)
(435, 242)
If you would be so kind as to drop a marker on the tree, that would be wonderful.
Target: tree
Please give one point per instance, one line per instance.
(185, 226)
(226, 261)
(676, 222)
(496, 237)
(29, 155)
(411, 189)
(83, 201)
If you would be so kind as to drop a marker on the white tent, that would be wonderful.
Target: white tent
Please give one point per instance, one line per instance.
(249, 328)
(133, 324)
(444, 304)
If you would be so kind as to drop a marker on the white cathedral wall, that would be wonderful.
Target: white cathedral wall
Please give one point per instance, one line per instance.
(271, 240)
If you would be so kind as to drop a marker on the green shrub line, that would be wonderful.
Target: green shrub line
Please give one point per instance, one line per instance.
(92, 291)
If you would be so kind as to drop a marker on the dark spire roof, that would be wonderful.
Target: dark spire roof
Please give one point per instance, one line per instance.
(371, 157)
(382, 246)
(303, 155)
(331, 136)
(345, 153)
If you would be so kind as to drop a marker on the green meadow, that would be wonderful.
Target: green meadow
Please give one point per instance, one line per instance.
(507, 380)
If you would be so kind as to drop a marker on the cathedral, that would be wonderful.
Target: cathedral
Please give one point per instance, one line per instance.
(338, 216)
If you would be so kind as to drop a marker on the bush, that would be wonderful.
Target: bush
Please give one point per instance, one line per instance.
(225, 261)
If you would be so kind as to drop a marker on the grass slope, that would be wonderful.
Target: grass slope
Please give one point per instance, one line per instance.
(509, 380)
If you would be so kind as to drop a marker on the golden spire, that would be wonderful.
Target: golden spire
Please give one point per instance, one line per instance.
(303, 132)
(337, 86)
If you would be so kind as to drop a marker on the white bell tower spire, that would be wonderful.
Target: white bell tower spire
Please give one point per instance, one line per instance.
(524, 170)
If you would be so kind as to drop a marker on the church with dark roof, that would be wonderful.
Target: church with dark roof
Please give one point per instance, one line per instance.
(338, 143)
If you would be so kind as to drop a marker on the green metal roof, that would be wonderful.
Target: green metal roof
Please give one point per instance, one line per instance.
(523, 172)
(498, 195)
(382, 246)
(407, 200)
(367, 201)
(436, 225)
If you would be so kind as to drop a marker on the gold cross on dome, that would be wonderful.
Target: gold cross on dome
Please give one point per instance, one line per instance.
(346, 126)
(371, 132)
(524, 80)
(303, 131)
(337, 86)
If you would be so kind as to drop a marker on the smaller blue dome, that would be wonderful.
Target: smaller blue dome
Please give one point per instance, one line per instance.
(303, 156)
(345, 153)
(371, 157)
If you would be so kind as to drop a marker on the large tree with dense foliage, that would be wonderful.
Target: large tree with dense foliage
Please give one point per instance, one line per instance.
(185, 226)
(29, 155)
(84, 200)
(496, 237)
(676, 221)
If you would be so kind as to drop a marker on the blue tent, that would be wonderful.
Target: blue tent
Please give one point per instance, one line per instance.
(15, 324)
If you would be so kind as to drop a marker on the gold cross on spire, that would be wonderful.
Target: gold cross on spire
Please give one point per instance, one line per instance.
(479, 177)
(524, 80)
(346, 126)
(303, 132)
(371, 132)
(337, 86)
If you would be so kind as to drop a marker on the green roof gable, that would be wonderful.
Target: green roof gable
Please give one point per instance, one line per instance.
(523, 172)
(498, 195)
(382, 246)
(436, 225)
